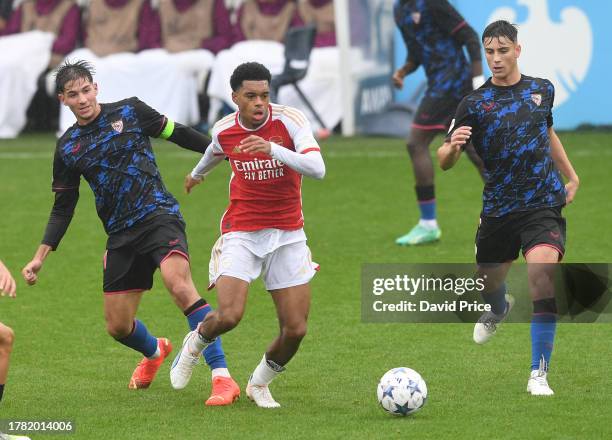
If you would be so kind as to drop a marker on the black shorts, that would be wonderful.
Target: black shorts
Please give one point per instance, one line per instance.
(435, 113)
(499, 239)
(133, 255)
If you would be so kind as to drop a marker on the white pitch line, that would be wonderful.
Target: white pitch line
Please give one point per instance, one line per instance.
(11, 155)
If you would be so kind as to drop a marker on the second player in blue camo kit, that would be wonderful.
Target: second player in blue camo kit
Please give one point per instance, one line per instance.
(509, 122)
(435, 35)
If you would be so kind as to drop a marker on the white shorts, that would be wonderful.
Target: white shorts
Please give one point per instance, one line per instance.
(282, 257)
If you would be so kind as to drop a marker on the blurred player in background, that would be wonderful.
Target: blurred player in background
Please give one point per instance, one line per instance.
(509, 121)
(434, 34)
(109, 146)
(7, 287)
(269, 147)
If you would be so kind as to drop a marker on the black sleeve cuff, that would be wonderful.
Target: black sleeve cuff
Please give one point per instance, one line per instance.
(188, 138)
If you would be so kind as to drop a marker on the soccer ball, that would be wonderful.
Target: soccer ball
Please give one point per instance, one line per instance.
(402, 391)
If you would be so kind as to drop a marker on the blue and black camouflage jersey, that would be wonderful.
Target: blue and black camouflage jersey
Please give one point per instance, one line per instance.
(430, 29)
(114, 155)
(510, 133)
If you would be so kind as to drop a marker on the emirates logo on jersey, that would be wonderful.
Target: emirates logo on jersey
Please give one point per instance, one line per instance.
(117, 126)
(536, 98)
(416, 17)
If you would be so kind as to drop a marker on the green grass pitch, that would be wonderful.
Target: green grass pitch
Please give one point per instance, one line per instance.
(65, 366)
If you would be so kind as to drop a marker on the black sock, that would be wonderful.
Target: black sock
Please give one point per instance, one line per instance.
(1, 391)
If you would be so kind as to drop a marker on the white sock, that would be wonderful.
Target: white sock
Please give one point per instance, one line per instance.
(429, 224)
(263, 373)
(156, 354)
(223, 372)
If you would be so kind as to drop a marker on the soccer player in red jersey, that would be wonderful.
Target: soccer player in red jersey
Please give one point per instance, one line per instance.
(269, 147)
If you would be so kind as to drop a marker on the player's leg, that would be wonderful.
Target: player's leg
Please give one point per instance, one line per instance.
(286, 272)
(232, 268)
(167, 246)
(126, 276)
(427, 229)
(7, 338)
(497, 246)
(544, 245)
(292, 306)
(231, 300)
(176, 274)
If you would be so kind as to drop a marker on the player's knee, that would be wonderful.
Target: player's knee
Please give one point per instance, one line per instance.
(119, 330)
(7, 338)
(182, 290)
(295, 331)
(229, 319)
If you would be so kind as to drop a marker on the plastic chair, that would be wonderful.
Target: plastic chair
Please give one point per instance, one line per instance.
(299, 42)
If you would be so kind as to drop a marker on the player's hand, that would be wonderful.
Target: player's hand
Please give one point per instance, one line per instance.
(460, 136)
(7, 282)
(570, 191)
(190, 182)
(30, 271)
(398, 79)
(255, 144)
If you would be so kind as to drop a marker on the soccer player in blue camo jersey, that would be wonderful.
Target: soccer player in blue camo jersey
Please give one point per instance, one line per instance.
(109, 146)
(509, 121)
(434, 34)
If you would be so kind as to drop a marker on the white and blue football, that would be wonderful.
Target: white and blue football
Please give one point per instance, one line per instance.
(402, 391)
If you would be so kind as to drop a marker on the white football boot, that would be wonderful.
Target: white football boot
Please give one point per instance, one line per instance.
(260, 394)
(537, 385)
(487, 324)
(186, 360)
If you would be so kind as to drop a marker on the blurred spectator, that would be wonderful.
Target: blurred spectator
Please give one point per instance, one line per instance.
(190, 32)
(321, 14)
(190, 24)
(60, 17)
(115, 26)
(266, 19)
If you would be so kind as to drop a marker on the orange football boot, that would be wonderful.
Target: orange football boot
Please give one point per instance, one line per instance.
(225, 391)
(146, 370)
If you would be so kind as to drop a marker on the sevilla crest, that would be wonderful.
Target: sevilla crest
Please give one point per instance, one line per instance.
(117, 126)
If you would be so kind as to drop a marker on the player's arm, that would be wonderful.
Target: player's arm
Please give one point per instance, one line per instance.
(66, 188)
(564, 165)
(458, 137)
(447, 17)
(412, 62)
(156, 125)
(7, 282)
(308, 161)
(211, 158)
(449, 152)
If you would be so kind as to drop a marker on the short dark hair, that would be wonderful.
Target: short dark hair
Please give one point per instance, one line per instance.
(251, 71)
(500, 28)
(69, 71)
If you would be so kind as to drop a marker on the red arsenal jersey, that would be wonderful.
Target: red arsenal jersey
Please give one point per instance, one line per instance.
(264, 192)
